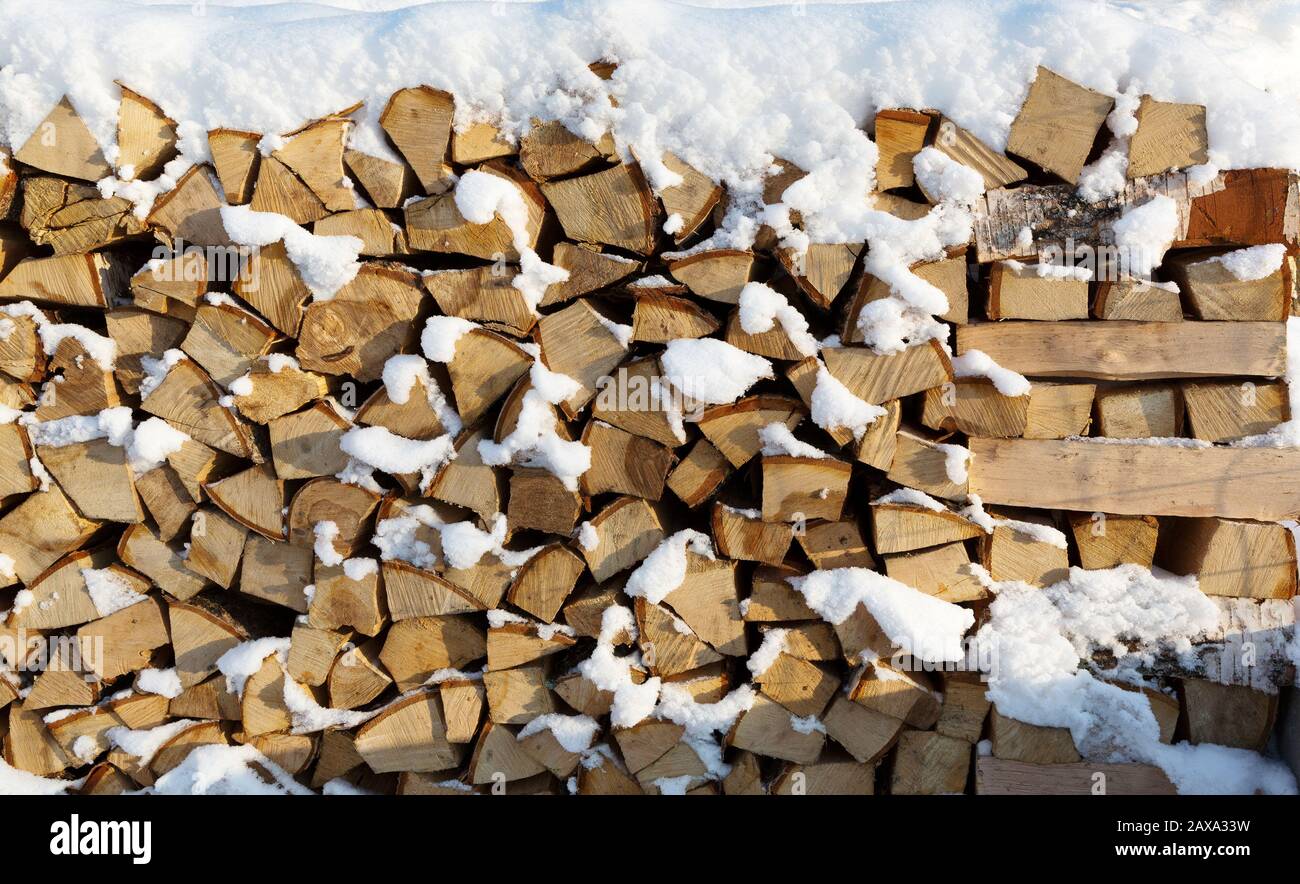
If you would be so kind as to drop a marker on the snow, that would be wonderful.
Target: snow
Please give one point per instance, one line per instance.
(242, 662)
(1256, 262)
(664, 569)
(144, 744)
(533, 442)
(703, 720)
(19, 782)
(308, 716)
(152, 441)
(226, 770)
(400, 374)
(113, 424)
(481, 196)
(922, 625)
(712, 371)
(778, 440)
(325, 532)
(978, 364)
(438, 340)
(463, 543)
(382, 449)
(109, 590)
(324, 263)
(807, 725)
(588, 536)
(955, 461)
(834, 406)
(574, 733)
(98, 347)
(155, 370)
(164, 682)
(1143, 234)
(360, 568)
(911, 497)
(1108, 176)
(761, 307)
(946, 180)
(974, 510)
(606, 670)
(762, 659)
(1037, 638)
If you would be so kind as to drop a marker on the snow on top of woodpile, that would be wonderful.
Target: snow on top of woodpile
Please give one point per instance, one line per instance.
(791, 81)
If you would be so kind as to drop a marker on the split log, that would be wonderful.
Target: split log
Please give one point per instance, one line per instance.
(235, 157)
(996, 168)
(1140, 412)
(717, 274)
(189, 399)
(435, 224)
(964, 710)
(408, 735)
(1169, 136)
(930, 764)
(900, 527)
(589, 270)
(1058, 123)
(577, 341)
(1230, 557)
(1017, 741)
(1019, 292)
(92, 280)
(1104, 540)
(767, 729)
(900, 135)
(1213, 292)
(799, 488)
(660, 318)
(550, 150)
(1139, 300)
(693, 200)
(822, 272)
(733, 429)
(545, 581)
(1227, 411)
(1129, 351)
(388, 184)
(996, 776)
(623, 463)
(943, 571)
(366, 322)
(877, 379)
(614, 207)
(418, 121)
(742, 534)
(863, 732)
(1011, 554)
(1235, 483)
(190, 211)
(947, 274)
(1228, 715)
(62, 145)
(71, 218)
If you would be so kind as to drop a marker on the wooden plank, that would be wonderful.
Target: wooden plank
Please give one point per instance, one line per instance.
(1235, 483)
(1130, 351)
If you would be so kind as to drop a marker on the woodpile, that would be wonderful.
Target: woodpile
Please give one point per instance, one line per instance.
(445, 522)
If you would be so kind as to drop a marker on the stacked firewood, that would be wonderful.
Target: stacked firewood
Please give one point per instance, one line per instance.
(427, 524)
